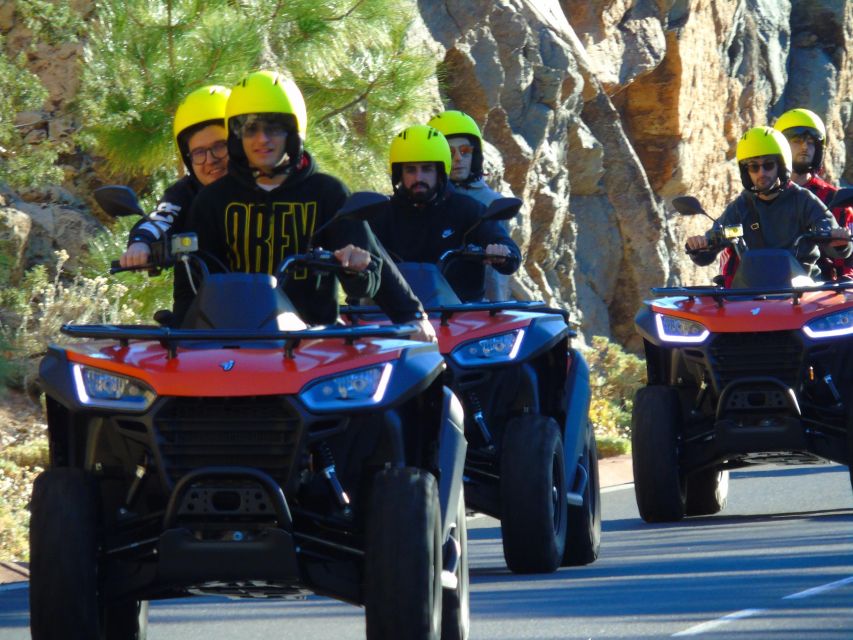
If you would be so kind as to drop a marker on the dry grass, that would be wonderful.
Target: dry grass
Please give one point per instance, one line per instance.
(23, 454)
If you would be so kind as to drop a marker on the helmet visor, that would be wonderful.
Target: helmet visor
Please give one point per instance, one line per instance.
(793, 132)
(272, 125)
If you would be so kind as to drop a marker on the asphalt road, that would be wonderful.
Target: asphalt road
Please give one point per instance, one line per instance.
(776, 563)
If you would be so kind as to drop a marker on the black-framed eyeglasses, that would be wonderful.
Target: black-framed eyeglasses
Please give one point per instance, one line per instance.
(755, 167)
(218, 151)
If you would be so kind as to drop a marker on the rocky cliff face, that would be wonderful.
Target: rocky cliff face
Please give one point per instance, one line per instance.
(601, 111)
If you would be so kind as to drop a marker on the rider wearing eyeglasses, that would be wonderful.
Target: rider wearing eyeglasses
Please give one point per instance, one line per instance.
(806, 134)
(772, 209)
(466, 174)
(272, 201)
(199, 133)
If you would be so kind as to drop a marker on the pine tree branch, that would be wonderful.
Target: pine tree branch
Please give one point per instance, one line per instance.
(347, 14)
(349, 105)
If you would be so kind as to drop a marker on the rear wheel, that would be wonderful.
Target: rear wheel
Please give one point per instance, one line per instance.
(403, 556)
(707, 492)
(533, 495)
(583, 538)
(456, 603)
(655, 427)
(64, 602)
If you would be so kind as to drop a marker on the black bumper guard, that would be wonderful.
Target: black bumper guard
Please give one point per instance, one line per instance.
(185, 560)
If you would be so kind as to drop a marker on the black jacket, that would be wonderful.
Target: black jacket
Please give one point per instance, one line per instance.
(171, 213)
(423, 233)
(780, 221)
(251, 230)
(169, 217)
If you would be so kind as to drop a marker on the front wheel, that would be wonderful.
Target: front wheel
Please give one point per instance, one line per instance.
(64, 601)
(533, 495)
(707, 492)
(583, 539)
(655, 428)
(456, 602)
(403, 557)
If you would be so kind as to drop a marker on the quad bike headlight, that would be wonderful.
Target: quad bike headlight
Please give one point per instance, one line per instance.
(356, 389)
(839, 323)
(671, 329)
(98, 388)
(491, 350)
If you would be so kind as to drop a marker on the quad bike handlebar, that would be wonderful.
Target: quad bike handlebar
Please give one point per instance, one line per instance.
(719, 236)
(317, 259)
(469, 252)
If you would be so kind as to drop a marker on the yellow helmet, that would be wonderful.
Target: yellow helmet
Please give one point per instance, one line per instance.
(763, 141)
(455, 123)
(801, 121)
(418, 143)
(458, 123)
(202, 107)
(271, 93)
(268, 92)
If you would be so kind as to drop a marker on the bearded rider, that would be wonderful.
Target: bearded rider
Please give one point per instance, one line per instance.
(466, 173)
(426, 216)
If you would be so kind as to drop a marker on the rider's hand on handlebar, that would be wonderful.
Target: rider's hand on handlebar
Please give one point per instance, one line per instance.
(496, 249)
(137, 254)
(843, 237)
(697, 243)
(425, 332)
(353, 257)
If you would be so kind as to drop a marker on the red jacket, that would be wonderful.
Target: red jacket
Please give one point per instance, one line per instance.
(838, 268)
(830, 269)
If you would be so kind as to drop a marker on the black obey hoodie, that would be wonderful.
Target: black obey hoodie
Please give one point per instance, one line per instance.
(252, 230)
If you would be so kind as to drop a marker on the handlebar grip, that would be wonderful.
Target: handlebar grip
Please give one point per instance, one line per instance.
(115, 267)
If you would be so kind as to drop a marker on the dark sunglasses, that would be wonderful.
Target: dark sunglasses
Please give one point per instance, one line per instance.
(755, 167)
(217, 151)
(269, 129)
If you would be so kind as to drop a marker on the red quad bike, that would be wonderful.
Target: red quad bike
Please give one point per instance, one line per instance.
(247, 455)
(758, 373)
(532, 460)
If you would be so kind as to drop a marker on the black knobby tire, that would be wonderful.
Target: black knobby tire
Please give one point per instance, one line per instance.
(707, 492)
(456, 603)
(403, 556)
(125, 621)
(64, 602)
(655, 427)
(850, 440)
(583, 538)
(533, 495)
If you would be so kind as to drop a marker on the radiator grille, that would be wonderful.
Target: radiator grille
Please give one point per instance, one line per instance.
(737, 355)
(259, 432)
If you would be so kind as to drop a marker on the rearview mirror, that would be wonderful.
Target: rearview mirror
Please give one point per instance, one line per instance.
(503, 209)
(842, 198)
(688, 206)
(118, 201)
(362, 205)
